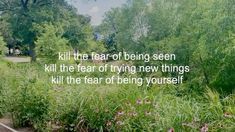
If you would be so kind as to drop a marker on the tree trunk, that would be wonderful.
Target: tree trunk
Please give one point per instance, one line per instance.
(32, 52)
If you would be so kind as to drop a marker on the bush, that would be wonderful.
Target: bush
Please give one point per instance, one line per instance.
(50, 43)
(30, 104)
(3, 48)
(26, 98)
(4, 71)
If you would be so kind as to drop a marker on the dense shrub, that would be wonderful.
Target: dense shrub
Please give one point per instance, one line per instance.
(3, 87)
(29, 104)
(26, 98)
(3, 48)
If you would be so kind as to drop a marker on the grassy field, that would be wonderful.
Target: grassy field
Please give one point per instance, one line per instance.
(187, 44)
(29, 98)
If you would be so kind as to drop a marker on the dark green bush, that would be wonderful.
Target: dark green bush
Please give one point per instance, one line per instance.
(30, 105)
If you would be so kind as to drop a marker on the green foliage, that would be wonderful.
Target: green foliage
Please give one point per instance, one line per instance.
(50, 43)
(95, 46)
(23, 15)
(199, 32)
(3, 48)
(103, 107)
(4, 71)
(30, 106)
(78, 31)
(26, 98)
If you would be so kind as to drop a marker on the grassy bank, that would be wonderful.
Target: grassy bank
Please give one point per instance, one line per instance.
(32, 101)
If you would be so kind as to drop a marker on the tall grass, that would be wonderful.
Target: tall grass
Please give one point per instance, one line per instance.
(32, 101)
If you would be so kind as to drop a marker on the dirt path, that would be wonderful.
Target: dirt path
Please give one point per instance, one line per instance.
(4, 128)
(7, 126)
(18, 59)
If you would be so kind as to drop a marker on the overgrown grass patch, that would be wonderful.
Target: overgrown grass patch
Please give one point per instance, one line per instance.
(32, 101)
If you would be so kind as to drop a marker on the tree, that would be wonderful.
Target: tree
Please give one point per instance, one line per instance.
(50, 43)
(199, 33)
(6, 32)
(22, 19)
(26, 13)
(78, 31)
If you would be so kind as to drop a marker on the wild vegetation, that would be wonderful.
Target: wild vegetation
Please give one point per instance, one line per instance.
(200, 33)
